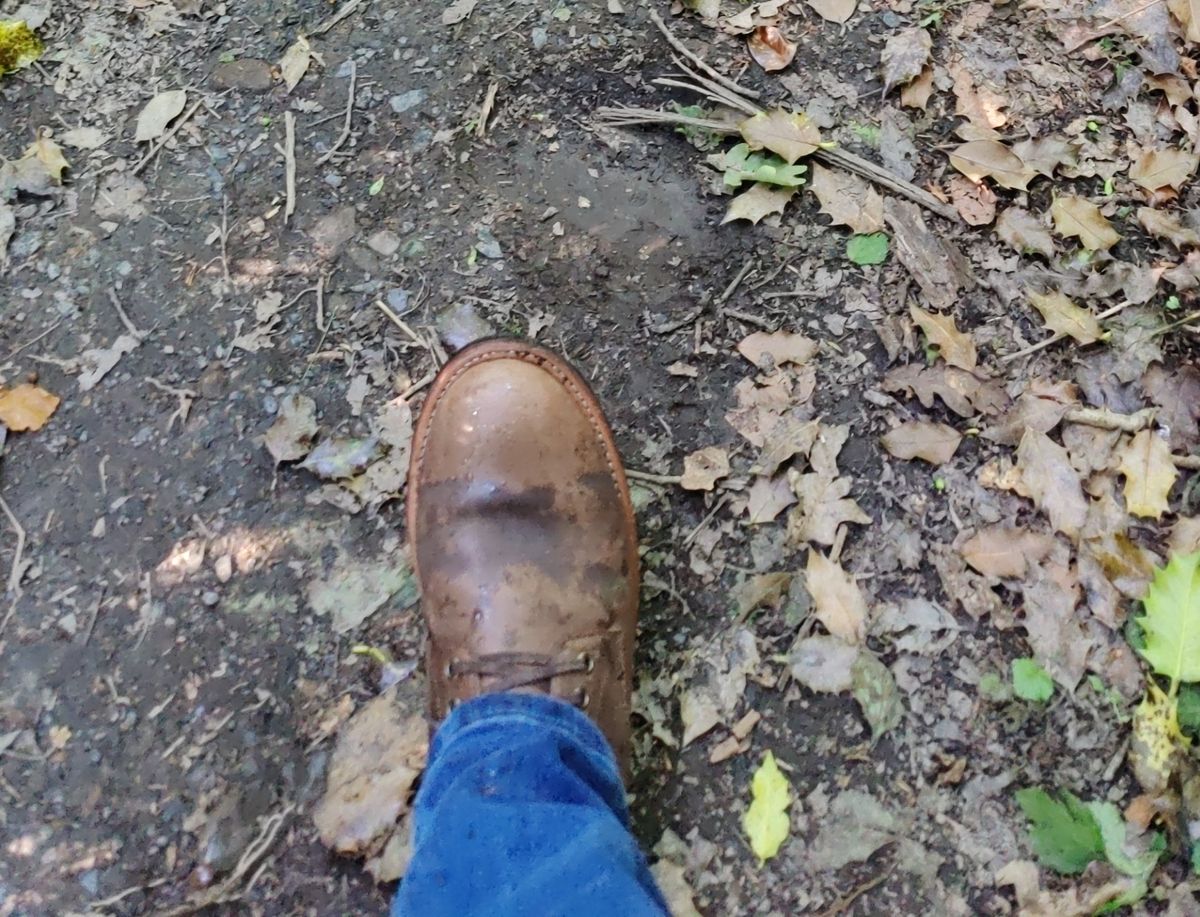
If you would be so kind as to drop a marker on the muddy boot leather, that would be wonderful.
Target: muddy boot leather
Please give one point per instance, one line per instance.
(524, 536)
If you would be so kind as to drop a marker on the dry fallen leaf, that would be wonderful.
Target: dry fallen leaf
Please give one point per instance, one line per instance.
(704, 467)
(1156, 169)
(1001, 551)
(769, 350)
(838, 11)
(1064, 317)
(936, 443)
(1024, 232)
(965, 393)
(158, 113)
(1078, 217)
(294, 63)
(762, 199)
(1149, 474)
(933, 259)
(1168, 226)
(770, 49)
(1047, 478)
(991, 159)
(26, 407)
(1045, 154)
(822, 663)
(904, 56)
(788, 134)
(767, 498)
(848, 199)
(824, 505)
(290, 437)
(981, 106)
(974, 201)
(457, 11)
(838, 602)
(379, 756)
(955, 347)
(917, 92)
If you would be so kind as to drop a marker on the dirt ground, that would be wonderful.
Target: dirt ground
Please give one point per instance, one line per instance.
(175, 656)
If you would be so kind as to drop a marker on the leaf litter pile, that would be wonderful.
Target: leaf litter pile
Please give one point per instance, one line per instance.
(894, 306)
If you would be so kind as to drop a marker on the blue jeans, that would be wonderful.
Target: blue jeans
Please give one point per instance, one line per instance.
(521, 812)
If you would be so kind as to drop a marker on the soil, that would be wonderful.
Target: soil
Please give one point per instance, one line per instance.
(165, 682)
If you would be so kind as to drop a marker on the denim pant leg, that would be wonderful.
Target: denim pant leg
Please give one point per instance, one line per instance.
(521, 812)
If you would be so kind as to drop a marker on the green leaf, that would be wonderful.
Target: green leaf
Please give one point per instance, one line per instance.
(1196, 858)
(994, 688)
(1188, 710)
(742, 165)
(1064, 833)
(1171, 621)
(868, 249)
(1031, 681)
(376, 187)
(766, 821)
(1112, 829)
(874, 687)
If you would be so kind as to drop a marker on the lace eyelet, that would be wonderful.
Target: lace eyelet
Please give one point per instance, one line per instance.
(448, 671)
(589, 662)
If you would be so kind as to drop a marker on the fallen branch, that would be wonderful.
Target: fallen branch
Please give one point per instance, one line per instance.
(129, 325)
(289, 165)
(347, 8)
(651, 478)
(17, 571)
(625, 116)
(675, 43)
(485, 110)
(1058, 336)
(345, 134)
(1104, 419)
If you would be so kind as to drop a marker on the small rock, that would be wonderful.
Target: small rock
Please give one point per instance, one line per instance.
(458, 325)
(223, 567)
(488, 245)
(539, 38)
(210, 598)
(332, 231)
(69, 624)
(385, 242)
(397, 299)
(407, 101)
(254, 75)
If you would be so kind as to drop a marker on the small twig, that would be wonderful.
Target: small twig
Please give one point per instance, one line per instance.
(289, 164)
(1133, 12)
(129, 325)
(843, 904)
(321, 304)
(133, 889)
(736, 282)
(16, 350)
(698, 61)
(749, 319)
(1058, 336)
(417, 386)
(706, 520)
(485, 110)
(347, 8)
(225, 236)
(792, 294)
(17, 571)
(345, 135)
(1104, 419)
(650, 477)
(179, 122)
(400, 323)
(675, 324)
(1186, 320)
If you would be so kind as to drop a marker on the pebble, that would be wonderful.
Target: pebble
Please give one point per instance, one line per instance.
(539, 38)
(385, 243)
(254, 75)
(397, 300)
(210, 597)
(407, 101)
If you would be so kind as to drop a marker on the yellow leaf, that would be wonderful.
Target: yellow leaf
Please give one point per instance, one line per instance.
(19, 46)
(766, 821)
(49, 154)
(1149, 474)
(704, 467)
(956, 348)
(1074, 216)
(759, 201)
(991, 159)
(1156, 739)
(26, 407)
(1064, 317)
(788, 134)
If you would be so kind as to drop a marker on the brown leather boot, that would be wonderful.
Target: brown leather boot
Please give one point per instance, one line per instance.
(524, 537)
